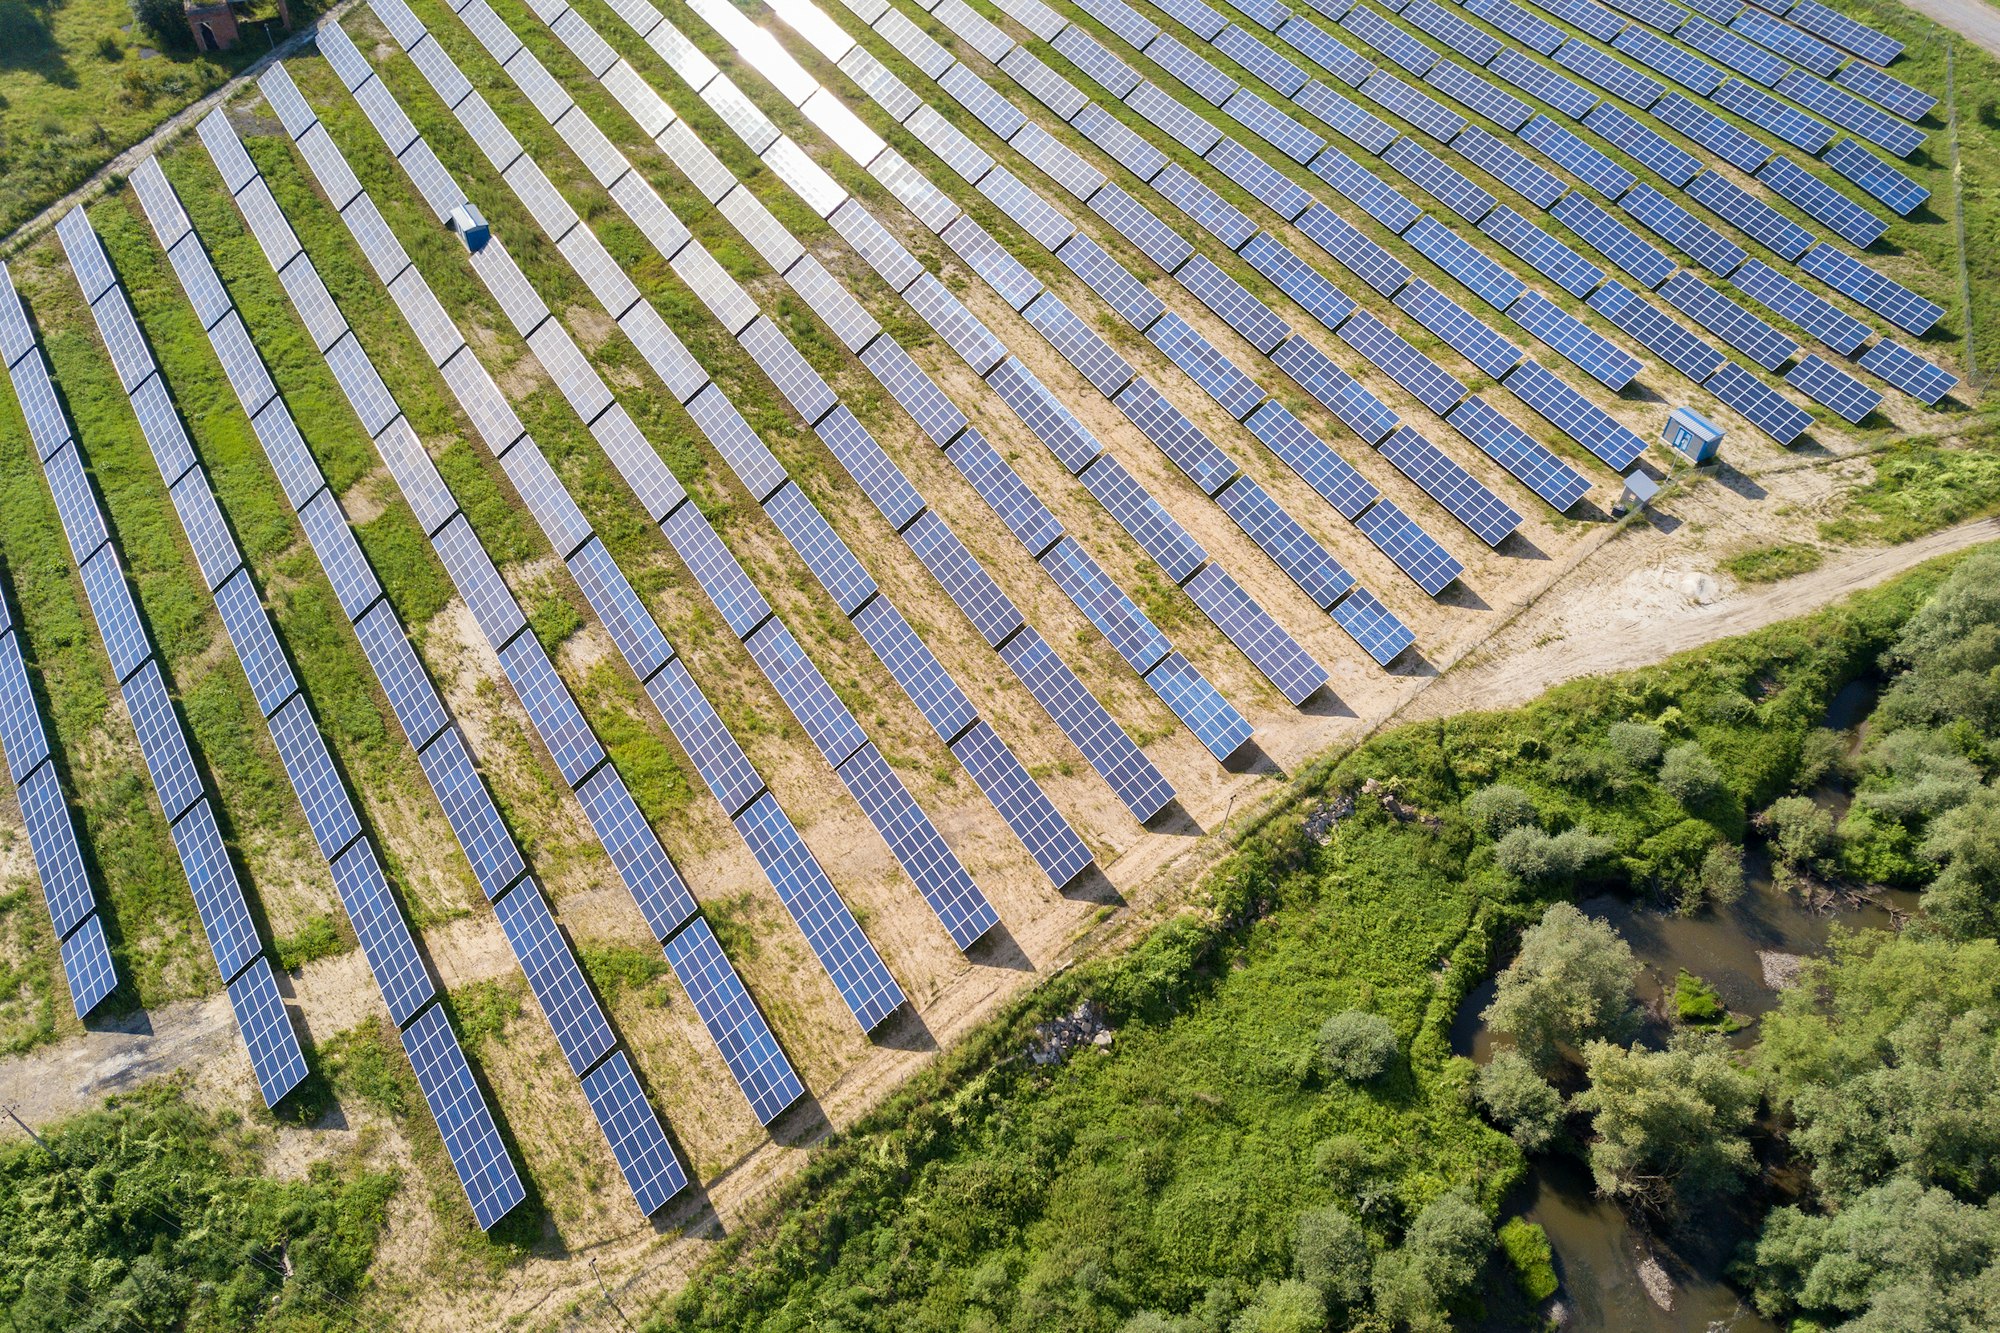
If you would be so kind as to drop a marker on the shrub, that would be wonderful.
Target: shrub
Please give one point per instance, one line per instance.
(1690, 776)
(1822, 755)
(1499, 809)
(1520, 1100)
(1722, 874)
(1534, 857)
(1440, 1258)
(1800, 833)
(1356, 1046)
(1330, 1252)
(165, 21)
(1639, 744)
(1283, 1307)
(1697, 1003)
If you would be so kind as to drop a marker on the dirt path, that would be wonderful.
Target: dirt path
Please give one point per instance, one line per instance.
(1975, 20)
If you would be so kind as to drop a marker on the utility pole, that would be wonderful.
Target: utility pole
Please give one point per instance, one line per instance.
(39, 1140)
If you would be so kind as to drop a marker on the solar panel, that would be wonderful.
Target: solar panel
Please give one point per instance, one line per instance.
(1780, 234)
(918, 848)
(1663, 57)
(1213, 372)
(1335, 390)
(1674, 224)
(1729, 321)
(162, 742)
(1443, 183)
(915, 668)
(1270, 648)
(1204, 21)
(1426, 113)
(1104, 275)
(1006, 275)
(1362, 257)
(122, 339)
(963, 578)
(1542, 252)
(1566, 150)
(161, 425)
(1482, 276)
(1170, 117)
(218, 897)
(1133, 507)
(478, 582)
(1213, 720)
(856, 970)
(1574, 415)
(1233, 304)
(378, 923)
(1535, 33)
(1041, 412)
(638, 1143)
(724, 768)
(329, 812)
(742, 607)
(1760, 404)
(1121, 622)
(1853, 223)
(806, 693)
(1298, 280)
(1667, 339)
(1741, 55)
(1413, 550)
(824, 553)
(340, 555)
(1450, 321)
(745, 1040)
(1720, 10)
(275, 1056)
(1096, 62)
(1712, 132)
(1593, 18)
(1458, 36)
(1209, 210)
(573, 1013)
(1661, 14)
(1844, 32)
(1289, 545)
(1643, 144)
(1389, 40)
(1104, 744)
(869, 466)
(1251, 53)
(934, 413)
(21, 732)
(1823, 382)
(1059, 161)
(1877, 177)
(1273, 126)
(470, 1138)
(963, 331)
(1807, 309)
(1892, 94)
(403, 680)
(1893, 301)
(550, 708)
(1788, 123)
(17, 336)
(1327, 51)
(1576, 342)
(926, 202)
(1197, 75)
(1491, 519)
(76, 505)
(1523, 456)
(973, 93)
(1034, 214)
(631, 626)
(1787, 41)
(1002, 488)
(649, 876)
(1299, 448)
(37, 395)
(1046, 86)
(1922, 380)
(1373, 626)
(1608, 72)
(87, 965)
(1477, 94)
(86, 255)
(725, 428)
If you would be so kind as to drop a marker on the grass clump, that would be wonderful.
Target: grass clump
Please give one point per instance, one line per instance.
(1696, 1003)
(1770, 564)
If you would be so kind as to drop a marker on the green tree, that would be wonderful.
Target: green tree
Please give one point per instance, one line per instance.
(1670, 1125)
(1439, 1260)
(1283, 1307)
(1801, 833)
(1520, 1100)
(1963, 902)
(1330, 1251)
(165, 21)
(1571, 982)
(1356, 1046)
(1690, 776)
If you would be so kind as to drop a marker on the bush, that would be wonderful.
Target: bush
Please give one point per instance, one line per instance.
(1690, 776)
(1534, 857)
(1639, 744)
(166, 22)
(1356, 1046)
(1283, 1307)
(1439, 1260)
(1500, 808)
(1526, 1246)
(1722, 874)
(1800, 833)
(1330, 1252)
(1822, 755)
(1520, 1100)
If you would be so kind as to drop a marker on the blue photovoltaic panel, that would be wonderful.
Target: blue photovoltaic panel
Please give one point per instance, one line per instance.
(37, 395)
(1372, 625)
(21, 730)
(1667, 339)
(117, 615)
(1574, 415)
(631, 626)
(856, 970)
(218, 896)
(1270, 648)
(1415, 551)
(1052, 423)
(1286, 541)
(1209, 210)
(1845, 109)
(635, 851)
(1566, 150)
(405, 983)
(1729, 321)
(1204, 21)
(76, 505)
(1095, 61)
(1593, 18)
(58, 858)
(1367, 191)
(1389, 40)
(1251, 53)
(1295, 278)
(1419, 109)
(745, 1040)
(1514, 449)
(1787, 41)
(1174, 435)
(1537, 34)
(915, 668)
(1049, 88)
(1464, 496)
(161, 741)
(402, 677)
(1213, 720)
(1446, 184)
(1849, 220)
(820, 547)
(489, 848)
(1450, 321)
(550, 708)
(963, 578)
(1734, 146)
(1347, 118)
(1674, 224)
(1823, 382)
(1110, 280)
(1740, 54)
(1001, 487)
(811, 700)
(1334, 389)
(1273, 126)
(1141, 226)
(1315, 461)
(1538, 81)
(1484, 277)
(1844, 32)
(1361, 256)
(1761, 405)
(1116, 616)
(1542, 252)
(724, 768)
(864, 460)
(1034, 214)
(270, 675)
(961, 330)
(1216, 375)
(551, 968)
(86, 962)
(1431, 384)
(716, 570)
(267, 1030)
(1576, 342)
(1080, 345)
(1260, 178)
(1158, 533)
(1172, 118)
(1912, 104)
(1795, 127)
(470, 1138)
(906, 382)
(1645, 145)
(1782, 236)
(1609, 73)
(645, 1157)
(1909, 372)
(1807, 309)
(478, 582)
(303, 752)
(1325, 50)
(1510, 166)
(1891, 300)
(1663, 57)
(1131, 775)
(918, 848)
(1459, 37)
(1477, 94)
(1872, 174)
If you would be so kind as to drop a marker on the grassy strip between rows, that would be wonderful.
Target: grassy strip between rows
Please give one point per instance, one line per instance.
(997, 1192)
